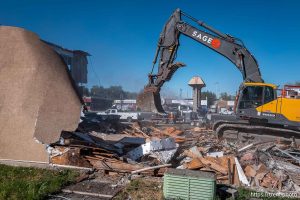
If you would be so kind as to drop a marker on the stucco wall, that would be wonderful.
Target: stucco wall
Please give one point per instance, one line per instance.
(37, 99)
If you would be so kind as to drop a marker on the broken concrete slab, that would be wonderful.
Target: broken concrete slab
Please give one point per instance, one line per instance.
(164, 156)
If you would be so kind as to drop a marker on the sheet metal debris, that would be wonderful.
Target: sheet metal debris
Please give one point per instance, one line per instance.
(149, 147)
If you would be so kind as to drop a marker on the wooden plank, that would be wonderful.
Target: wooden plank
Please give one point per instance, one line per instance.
(150, 168)
(214, 165)
(115, 166)
(87, 193)
(144, 134)
(194, 164)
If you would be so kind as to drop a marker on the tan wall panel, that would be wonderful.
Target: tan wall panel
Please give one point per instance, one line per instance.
(36, 96)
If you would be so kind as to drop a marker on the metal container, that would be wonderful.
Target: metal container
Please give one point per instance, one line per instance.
(189, 184)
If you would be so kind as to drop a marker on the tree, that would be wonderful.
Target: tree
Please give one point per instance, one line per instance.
(210, 96)
(113, 92)
(97, 90)
(84, 91)
(226, 97)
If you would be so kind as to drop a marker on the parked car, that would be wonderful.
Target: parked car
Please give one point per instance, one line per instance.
(129, 116)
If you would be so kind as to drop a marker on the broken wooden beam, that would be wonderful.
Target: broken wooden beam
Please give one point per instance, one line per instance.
(114, 166)
(245, 147)
(150, 168)
(87, 193)
(144, 134)
(214, 165)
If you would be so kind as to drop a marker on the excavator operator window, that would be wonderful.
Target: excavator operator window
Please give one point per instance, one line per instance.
(268, 94)
(251, 97)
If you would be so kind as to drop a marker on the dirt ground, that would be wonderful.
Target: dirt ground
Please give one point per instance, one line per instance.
(142, 188)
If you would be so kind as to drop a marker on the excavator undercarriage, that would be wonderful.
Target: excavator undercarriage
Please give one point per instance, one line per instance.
(244, 126)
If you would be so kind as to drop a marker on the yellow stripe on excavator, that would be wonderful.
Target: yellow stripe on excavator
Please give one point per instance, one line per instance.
(260, 84)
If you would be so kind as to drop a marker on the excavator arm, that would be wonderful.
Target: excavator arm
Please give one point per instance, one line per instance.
(228, 46)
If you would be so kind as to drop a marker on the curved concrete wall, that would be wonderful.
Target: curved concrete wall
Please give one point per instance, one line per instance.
(37, 99)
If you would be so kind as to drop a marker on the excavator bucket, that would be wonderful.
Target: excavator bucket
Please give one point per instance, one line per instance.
(149, 101)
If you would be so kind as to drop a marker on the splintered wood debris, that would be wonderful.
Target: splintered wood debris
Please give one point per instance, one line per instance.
(149, 150)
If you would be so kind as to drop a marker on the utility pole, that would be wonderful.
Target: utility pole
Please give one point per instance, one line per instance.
(217, 89)
(180, 93)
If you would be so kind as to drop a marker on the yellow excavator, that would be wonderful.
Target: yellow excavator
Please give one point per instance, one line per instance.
(259, 108)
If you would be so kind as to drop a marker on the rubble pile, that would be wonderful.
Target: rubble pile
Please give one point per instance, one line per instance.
(149, 150)
(100, 123)
(118, 148)
(271, 166)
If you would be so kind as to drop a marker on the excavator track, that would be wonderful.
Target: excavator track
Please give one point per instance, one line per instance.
(259, 130)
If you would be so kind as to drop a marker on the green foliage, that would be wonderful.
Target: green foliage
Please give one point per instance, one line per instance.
(32, 183)
(113, 92)
(84, 91)
(211, 97)
(141, 189)
(227, 97)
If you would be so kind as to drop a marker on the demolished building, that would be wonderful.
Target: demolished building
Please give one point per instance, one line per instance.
(38, 98)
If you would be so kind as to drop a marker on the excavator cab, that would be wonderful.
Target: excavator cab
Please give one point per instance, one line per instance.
(252, 98)
(254, 95)
(258, 102)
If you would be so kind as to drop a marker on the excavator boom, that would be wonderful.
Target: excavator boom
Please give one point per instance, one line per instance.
(168, 43)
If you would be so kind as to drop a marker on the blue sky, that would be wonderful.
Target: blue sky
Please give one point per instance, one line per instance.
(122, 35)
